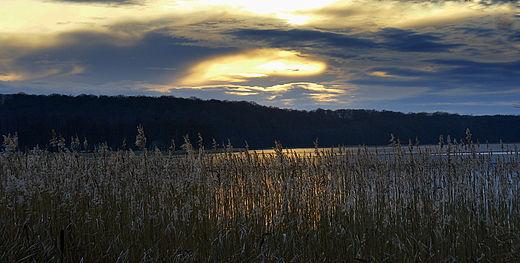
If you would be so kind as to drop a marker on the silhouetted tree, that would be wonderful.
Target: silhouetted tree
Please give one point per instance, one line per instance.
(113, 119)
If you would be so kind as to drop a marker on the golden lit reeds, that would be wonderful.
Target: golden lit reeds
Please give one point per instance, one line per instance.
(395, 204)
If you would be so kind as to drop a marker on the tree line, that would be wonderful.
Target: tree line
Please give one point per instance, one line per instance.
(113, 120)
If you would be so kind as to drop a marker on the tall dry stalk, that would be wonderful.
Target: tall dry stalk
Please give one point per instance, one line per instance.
(395, 204)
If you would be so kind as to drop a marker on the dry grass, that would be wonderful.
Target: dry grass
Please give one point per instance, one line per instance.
(398, 204)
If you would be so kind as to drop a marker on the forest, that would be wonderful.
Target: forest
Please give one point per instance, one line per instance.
(114, 119)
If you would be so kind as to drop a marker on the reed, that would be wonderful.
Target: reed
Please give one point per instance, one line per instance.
(391, 204)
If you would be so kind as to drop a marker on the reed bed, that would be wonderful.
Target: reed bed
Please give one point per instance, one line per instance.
(394, 204)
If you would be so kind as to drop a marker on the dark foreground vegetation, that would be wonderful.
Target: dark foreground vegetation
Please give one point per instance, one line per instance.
(112, 119)
(394, 204)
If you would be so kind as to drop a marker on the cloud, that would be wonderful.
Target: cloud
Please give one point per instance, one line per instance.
(302, 38)
(95, 56)
(377, 52)
(462, 91)
(442, 74)
(383, 74)
(338, 11)
(408, 41)
(111, 2)
(23, 17)
(392, 39)
(479, 32)
(39, 57)
(304, 94)
(404, 14)
(265, 8)
(481, 74)
(400, 72)
(49, 86)
(258, 63)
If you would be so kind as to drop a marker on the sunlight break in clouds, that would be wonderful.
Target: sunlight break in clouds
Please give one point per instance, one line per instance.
(316, 92)
(10, 77)
(253, 64)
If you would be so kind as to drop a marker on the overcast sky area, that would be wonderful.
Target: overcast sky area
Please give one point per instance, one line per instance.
(409, 56)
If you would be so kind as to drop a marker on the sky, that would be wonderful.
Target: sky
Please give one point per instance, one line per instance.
(400, 55)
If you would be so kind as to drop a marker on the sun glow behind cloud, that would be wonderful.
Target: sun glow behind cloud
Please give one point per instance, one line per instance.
(262, 7)
(11, 77)
(39, 17)
(256, 63)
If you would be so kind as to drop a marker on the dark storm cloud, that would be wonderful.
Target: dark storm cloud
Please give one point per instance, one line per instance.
(515, 37)
(142, 61)
(111, 58)
(485, 67)
(409, 41)
(449, 74)
(393, 39)
(302, 38)
(398, 81)
(497, 73)
(480, 32)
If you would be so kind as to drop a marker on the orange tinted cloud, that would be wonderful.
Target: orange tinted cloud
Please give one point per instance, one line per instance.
(253, 64)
